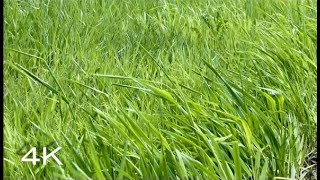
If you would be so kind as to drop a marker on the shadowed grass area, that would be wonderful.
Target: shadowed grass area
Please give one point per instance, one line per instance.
(148, 89)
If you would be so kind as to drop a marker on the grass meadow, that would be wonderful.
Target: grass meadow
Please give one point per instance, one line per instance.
(181, 89)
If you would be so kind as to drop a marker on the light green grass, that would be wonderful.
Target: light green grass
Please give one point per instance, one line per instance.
(208, 89)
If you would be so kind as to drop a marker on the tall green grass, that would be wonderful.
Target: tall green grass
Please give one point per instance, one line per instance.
(148, 89)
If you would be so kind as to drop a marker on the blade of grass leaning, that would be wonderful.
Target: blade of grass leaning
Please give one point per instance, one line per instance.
(236, 158)
(231, 90)
(42, 60)
(48, 86)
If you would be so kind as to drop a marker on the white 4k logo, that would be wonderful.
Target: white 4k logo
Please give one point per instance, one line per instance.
(34, 158)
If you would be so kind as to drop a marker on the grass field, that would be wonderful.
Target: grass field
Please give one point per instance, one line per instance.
(209, 89)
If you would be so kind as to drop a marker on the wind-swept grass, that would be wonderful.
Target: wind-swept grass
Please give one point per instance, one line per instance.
(161, 89)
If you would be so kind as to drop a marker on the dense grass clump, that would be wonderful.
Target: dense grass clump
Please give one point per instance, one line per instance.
(188, 89)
